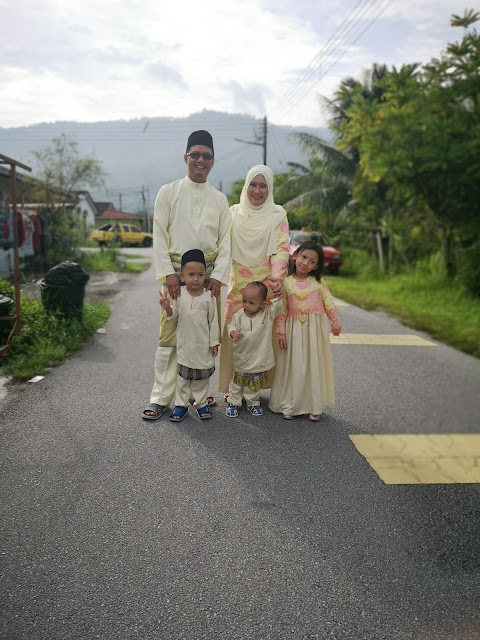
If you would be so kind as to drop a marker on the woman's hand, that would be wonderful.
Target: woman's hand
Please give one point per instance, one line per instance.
(173, 285)
(214, 286)
(282, 343)
(276, 286)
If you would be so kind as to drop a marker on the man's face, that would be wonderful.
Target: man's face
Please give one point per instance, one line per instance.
(199, 168)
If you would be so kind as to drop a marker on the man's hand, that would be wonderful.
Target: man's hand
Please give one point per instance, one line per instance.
(236, 335)
(173, 285)
(214, 351)
(214, 286)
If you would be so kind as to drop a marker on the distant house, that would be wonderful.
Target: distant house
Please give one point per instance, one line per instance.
(103, 206)
(116, 216)
(85, 207)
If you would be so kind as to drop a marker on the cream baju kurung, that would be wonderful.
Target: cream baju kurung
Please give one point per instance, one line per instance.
(188, 215)
(253, 353)
(303, 381)
(197, 331)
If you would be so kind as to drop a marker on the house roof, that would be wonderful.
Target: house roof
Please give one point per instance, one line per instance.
(103, 206)
(120, 215)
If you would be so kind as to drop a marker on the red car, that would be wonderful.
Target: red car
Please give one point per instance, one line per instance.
(332, 256)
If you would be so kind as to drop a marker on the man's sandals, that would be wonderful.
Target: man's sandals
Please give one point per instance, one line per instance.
(155, 409)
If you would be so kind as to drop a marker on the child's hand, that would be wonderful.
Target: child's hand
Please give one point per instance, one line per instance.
(165, 301)
(282, 343)
(236, 336)
(214, 351)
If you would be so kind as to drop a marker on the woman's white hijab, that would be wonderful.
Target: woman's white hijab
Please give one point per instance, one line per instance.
(253, 228)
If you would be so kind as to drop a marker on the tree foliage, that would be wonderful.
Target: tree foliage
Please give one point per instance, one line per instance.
(61, 172)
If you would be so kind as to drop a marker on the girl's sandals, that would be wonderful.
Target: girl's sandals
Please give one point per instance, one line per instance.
(286, 416)
(256, 410)
(155, 409)
(231, 411)
(178, 414)
(314, 417)
(204, 413)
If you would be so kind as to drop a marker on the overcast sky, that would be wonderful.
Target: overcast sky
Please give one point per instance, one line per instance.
(96, 60)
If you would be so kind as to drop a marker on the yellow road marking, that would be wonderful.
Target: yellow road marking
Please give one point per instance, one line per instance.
(445, 458)
(400, 340)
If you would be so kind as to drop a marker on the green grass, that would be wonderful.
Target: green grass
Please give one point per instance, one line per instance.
(111, 259)
(439, 308)
(46, 339)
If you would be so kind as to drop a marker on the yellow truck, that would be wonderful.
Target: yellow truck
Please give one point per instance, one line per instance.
(123, 234)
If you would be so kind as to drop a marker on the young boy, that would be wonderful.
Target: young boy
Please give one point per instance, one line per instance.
(251, 332)
(195, 312)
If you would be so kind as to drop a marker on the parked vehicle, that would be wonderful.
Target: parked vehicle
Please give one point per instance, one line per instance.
(124, 234)
(332, 256)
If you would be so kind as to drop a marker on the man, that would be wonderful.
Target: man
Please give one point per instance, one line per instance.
(189, 214)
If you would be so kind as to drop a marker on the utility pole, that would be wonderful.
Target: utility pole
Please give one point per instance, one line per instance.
(261, 140)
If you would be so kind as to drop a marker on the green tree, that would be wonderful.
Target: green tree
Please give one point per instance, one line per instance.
(421, 144)
(61, 171)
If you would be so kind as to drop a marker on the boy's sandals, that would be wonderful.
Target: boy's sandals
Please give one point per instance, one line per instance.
(256, 410)
(231, 411)
(178, 414)
(211, 401)
(155, 409)
(204, 413)
(286, 416)
(314, 417)
(225, 396)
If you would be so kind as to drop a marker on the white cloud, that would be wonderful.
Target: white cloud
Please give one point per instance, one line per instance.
(110, 59)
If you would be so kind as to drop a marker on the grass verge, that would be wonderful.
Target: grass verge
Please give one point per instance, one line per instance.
(111, 259)
(439, 308)
(46, 339)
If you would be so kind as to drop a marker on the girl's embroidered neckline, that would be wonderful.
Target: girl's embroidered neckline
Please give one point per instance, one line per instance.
(303, 283)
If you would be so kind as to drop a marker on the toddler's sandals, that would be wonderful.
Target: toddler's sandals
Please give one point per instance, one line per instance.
(178, 414)
(204, 413)
(211, 401)
(256, 410)
(231, 411)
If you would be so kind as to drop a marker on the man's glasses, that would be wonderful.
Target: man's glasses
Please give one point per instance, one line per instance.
(195, 155)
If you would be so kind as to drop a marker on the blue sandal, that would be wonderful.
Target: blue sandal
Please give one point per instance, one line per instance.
(205, 413)
(256, 410)
(231, 411)
(178, 414)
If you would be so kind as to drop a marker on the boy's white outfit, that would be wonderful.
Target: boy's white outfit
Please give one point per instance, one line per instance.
(197, 331)
(252, 354)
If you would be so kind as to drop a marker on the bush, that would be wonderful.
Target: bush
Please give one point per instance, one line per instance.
(468, 273)
(357, 262)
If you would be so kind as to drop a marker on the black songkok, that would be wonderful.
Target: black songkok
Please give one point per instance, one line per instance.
(194, 255)
(200, 137)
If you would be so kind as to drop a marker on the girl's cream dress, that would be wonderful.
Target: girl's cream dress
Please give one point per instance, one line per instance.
(303, 380)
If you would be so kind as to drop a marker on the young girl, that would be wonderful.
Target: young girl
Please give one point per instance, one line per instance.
(303, 380)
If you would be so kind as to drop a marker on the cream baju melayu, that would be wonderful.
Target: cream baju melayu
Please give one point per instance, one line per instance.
(259, 251)
(253, 354)
(197, 331)
(188, 215)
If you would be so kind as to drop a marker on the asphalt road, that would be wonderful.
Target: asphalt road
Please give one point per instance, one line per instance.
(116, 528)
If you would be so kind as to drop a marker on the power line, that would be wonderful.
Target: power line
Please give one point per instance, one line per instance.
(282, 110)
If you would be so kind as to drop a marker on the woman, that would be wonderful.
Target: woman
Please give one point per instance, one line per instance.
(259, 252)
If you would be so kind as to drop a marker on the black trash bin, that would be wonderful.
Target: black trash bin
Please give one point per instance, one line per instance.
(6, 304)
(63, 289)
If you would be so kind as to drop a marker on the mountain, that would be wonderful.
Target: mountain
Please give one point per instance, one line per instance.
(142, 154)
